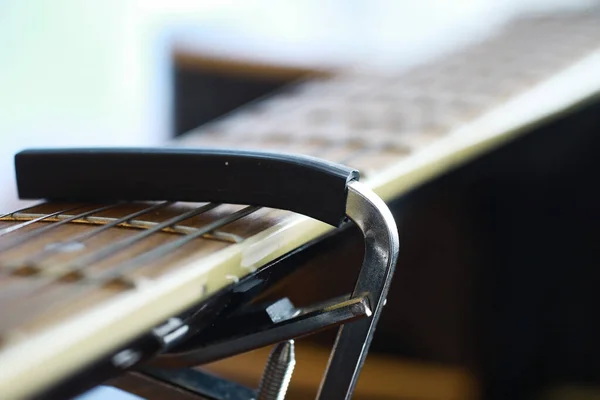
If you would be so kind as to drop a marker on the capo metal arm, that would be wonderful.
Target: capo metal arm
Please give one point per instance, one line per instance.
(379, 229)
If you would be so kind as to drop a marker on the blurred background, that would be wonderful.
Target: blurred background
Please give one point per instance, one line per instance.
(82, 73)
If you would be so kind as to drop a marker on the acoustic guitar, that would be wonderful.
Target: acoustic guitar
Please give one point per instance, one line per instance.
(134, 241)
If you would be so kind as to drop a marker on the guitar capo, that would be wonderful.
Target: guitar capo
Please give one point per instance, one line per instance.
(313, 187)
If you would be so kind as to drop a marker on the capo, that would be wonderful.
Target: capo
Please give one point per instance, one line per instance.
(319, 189)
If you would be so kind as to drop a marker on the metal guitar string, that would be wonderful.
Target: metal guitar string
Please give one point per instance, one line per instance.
(54, 225)
(115, 274)
(75, 267)
(163, 250)
(32, 221)
(8, 214)
(89, 234)
(149, 227)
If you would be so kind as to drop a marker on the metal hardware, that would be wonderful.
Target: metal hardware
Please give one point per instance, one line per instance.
(303, 323)
(358, 314)
(377, 224)
(278, 372)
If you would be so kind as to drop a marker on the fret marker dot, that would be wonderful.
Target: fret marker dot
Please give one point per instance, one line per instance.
(65, 247)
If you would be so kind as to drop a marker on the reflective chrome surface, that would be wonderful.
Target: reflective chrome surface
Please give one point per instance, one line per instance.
(376, 222)
(304, 322)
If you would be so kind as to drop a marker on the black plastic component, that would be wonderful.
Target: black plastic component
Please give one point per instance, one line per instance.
(302, 184)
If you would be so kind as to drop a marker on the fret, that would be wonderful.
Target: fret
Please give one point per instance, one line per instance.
(115, 278)
(75, 266)
(53, 225)
(106, 224)
(123, 222)
(14, 228)
(9, 214)
(37, 284)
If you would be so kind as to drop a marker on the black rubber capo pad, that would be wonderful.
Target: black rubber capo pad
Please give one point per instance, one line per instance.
(302, 184)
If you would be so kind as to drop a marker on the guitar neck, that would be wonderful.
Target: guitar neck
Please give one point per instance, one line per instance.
(92, 276)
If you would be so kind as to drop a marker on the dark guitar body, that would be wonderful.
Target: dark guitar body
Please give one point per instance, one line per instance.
(501, 260)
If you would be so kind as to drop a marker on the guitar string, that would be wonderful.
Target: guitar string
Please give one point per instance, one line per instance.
(115, 274)
(140, 224)
(22, 265)
(84, 236)
(107, 277)
(21, 210)
(23, 239)
(128, 266)
(81, 262)
(74, 267)
(33, 221)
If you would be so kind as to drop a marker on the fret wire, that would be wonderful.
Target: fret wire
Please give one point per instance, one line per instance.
(89, 259)
(165, 249)
(127, 218)
(82, 237)
(22, 240)
(108, 277)
(179, 229)
(20, 210)
(82, 262)
(135, 224)
(27, 223)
